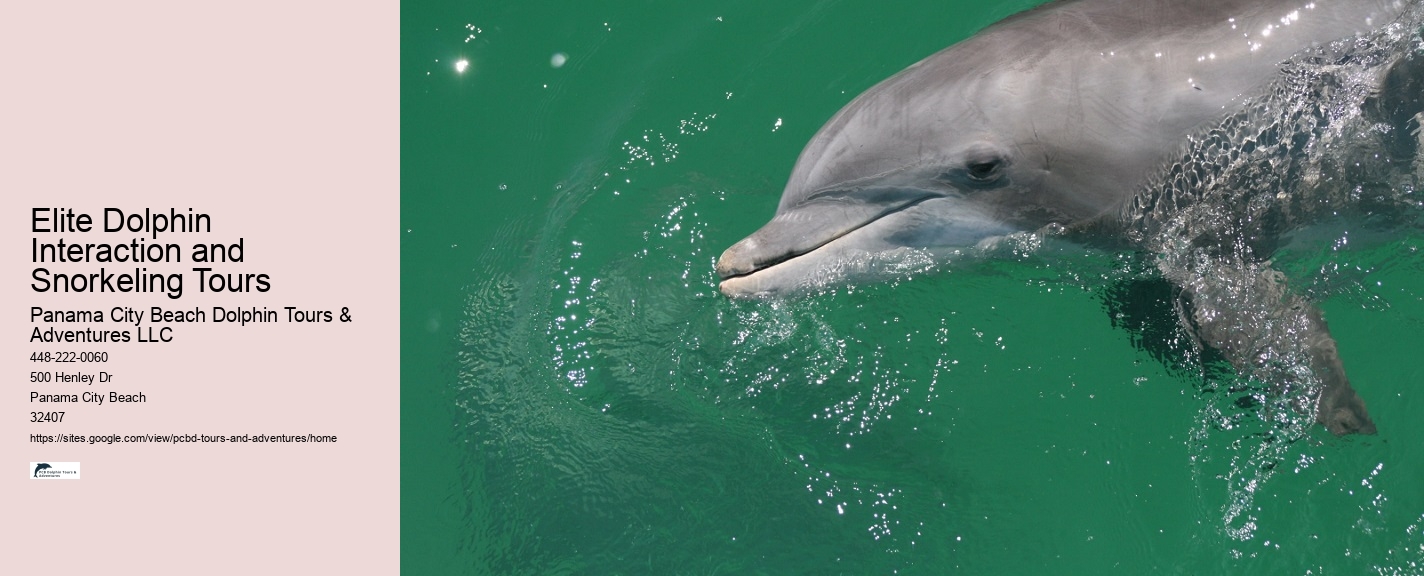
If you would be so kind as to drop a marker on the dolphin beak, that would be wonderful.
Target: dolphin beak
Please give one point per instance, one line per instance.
(837, 235)
(809, 226)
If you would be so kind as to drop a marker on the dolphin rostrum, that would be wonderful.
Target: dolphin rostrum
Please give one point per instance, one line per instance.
(1198, 130)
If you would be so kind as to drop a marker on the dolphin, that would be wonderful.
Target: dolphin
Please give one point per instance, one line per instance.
(1144, 123)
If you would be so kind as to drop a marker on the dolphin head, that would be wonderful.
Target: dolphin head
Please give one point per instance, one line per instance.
(960, 149)
(1048, 117)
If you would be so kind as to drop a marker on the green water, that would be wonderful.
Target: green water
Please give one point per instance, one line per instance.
(578, 399)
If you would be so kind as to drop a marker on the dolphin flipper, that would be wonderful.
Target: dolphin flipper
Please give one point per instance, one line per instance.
(1399, 103)
(1245, 311)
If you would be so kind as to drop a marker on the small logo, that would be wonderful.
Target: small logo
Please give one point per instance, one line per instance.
(54, 470)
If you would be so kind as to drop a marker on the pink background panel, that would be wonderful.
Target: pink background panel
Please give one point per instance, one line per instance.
(281, 121)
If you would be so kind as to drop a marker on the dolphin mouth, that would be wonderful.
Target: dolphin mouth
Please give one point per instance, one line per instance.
(800, 232)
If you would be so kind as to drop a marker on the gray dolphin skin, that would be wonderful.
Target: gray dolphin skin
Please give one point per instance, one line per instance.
(1148, 123)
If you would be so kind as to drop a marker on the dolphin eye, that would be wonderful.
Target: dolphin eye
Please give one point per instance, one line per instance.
(983, 170)
(980, 168)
